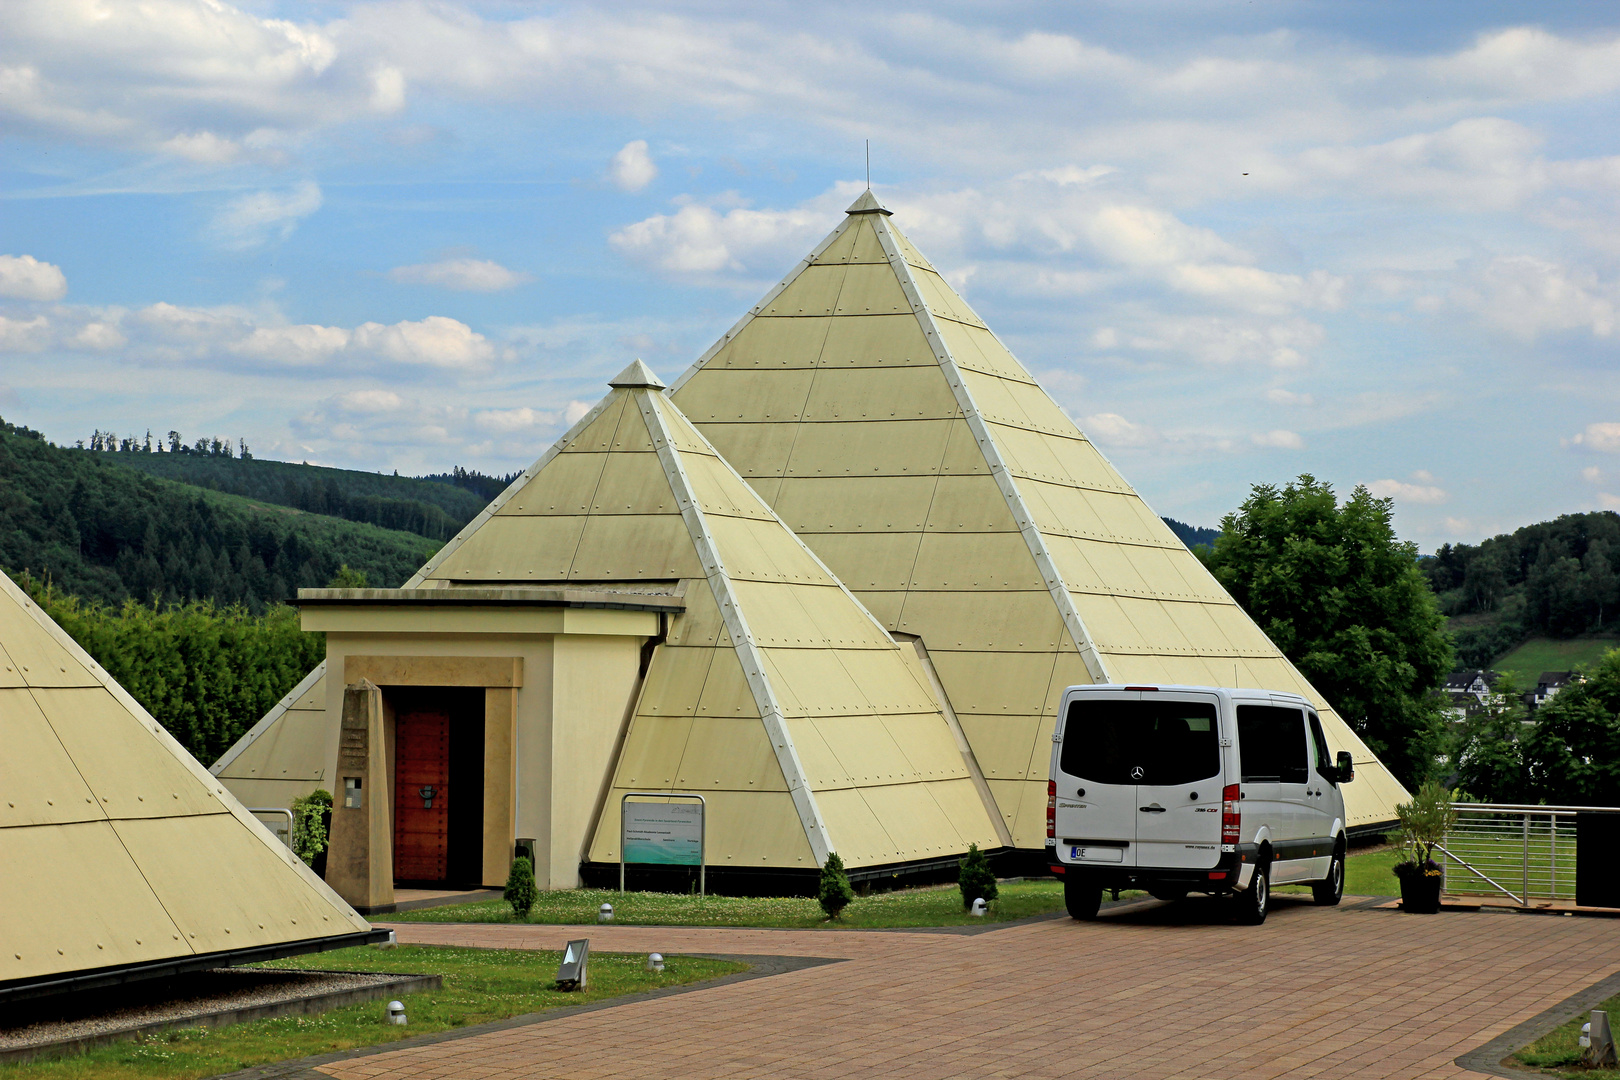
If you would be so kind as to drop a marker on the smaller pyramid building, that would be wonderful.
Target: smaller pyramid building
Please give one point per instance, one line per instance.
(121, 855)
(775, 695)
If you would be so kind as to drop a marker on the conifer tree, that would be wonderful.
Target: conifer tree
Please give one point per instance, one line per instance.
(835, 892)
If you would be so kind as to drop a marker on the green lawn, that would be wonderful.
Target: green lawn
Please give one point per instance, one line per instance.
(1366, 874)
(1536, 655)
(902, 908)
(1559, 1048)
(479, 985)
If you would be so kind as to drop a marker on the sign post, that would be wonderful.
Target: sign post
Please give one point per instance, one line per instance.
(663, 833)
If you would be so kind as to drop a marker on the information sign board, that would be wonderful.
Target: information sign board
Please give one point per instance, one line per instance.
(668, 834)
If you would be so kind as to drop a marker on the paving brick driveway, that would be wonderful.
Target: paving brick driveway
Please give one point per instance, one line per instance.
(1147, 991)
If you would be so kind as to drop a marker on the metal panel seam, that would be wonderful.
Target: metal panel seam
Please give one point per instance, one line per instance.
(998, 468)
(787, 756)
(764, 302)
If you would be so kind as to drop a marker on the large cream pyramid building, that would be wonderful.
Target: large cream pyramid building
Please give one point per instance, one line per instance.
(861, 648)
(120, 856)
(868, 404)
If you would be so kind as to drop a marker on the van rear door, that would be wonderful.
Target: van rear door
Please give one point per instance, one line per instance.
(1178, 814)
(1096, 797)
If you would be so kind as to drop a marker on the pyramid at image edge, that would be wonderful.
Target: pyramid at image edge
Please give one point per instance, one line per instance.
(885, 780)
(119, 848)
(868, 403)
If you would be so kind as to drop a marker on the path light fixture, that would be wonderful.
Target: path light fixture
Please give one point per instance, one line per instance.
(571, 972)
(655, 961)
(979, 906)
(1597, 1041)
(392, 942)
(396, 1013)
(604, 913)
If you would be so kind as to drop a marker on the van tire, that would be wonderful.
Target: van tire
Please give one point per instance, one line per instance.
(1082, 898)
(1331, 890)
(1254, 902)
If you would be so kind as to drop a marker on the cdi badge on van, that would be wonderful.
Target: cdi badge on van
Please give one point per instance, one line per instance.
(1182, 789)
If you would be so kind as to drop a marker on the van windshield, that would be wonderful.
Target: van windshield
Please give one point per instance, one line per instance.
(1140, 742)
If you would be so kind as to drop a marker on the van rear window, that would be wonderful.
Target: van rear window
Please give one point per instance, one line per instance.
(1170, 742)
(1271, 744)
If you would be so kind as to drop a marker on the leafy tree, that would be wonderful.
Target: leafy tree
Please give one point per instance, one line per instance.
(520, 890)
(1488, 751)
(346, 578)
(1572, 756)
(310, 815)
(975, 878)
(1345, 601)
(834, 892)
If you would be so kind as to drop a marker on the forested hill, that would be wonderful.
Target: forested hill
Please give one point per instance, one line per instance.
(102, 531)
(1192, 535)
(1556, 578)
(435, 507)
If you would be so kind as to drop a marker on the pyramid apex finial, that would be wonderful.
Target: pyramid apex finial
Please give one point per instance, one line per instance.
(868, 204)
(637, 376)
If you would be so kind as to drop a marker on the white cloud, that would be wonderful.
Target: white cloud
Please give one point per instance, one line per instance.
(24, 335)
(1279, 396)
(1114, 430)
(575, 412)
(250, 220)
(98, 336)
(1404, 492)
(1223, 341)
(1278, 439)
(462, 275)
(435, 341)
(1603, 436)
(698, 239)
(1528, 297)
(24, 277)
(1592, 474)
(632, 168)
(506, 421)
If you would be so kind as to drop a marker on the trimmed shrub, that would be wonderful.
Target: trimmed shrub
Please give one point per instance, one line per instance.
(975, 878)
(835, 892)
(520, 891)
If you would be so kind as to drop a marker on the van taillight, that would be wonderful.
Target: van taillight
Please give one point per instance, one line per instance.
(1231, 815)
(1051, 810)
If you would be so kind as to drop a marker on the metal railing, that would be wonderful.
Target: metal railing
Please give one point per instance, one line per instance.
(283, 827)
(1522, 852)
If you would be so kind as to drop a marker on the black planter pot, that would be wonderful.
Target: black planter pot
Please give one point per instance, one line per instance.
(1420, 891)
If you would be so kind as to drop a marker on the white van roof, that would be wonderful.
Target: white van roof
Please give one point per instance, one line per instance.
(1233, 692)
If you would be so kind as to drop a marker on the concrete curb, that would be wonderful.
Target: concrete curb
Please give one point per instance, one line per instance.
(1491, 1057)
(313, 1003)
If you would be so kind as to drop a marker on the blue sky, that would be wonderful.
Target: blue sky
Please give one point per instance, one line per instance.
(1375, 242)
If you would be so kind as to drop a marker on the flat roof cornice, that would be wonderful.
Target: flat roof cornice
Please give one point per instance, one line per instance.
(495, 596)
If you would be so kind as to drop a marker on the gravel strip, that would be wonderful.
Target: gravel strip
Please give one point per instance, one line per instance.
(170, 1001)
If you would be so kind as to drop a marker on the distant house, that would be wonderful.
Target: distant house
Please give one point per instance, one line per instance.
(1548, 683)
(1466, 692)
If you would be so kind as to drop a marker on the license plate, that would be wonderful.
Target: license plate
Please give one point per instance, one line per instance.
(1098, 854)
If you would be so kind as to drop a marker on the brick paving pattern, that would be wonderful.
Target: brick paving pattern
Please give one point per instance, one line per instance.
(1147, 991)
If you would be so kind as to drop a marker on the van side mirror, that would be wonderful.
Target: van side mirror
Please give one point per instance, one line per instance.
(1347, 767)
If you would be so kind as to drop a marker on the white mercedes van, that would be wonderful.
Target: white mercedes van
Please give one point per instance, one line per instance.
(1180, 789)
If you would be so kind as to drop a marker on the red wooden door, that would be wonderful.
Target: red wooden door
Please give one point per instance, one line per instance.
(421, 795)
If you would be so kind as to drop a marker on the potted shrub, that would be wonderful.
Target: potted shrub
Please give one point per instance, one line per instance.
(1424, 823)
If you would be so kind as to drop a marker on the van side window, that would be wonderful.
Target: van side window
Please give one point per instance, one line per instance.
(1271, 743)
(1324, 757)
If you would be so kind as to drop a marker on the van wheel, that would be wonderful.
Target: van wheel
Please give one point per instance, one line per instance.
(1330, 891)
(1168, 893)
(1253, 903)
(1082, 898)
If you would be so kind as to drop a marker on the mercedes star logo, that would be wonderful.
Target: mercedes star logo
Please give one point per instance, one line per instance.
(1136, 773)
